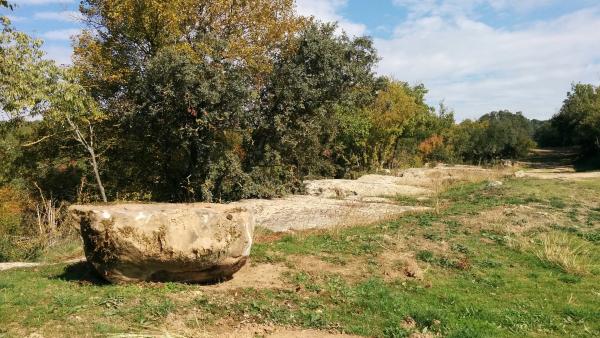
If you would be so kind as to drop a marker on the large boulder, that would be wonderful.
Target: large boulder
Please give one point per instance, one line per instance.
(193, 243)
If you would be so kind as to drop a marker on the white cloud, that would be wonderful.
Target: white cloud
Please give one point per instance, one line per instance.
(419, 8)
(476, 68)
(59, 53)
(60, 34)
(67, 16)
(328, 11)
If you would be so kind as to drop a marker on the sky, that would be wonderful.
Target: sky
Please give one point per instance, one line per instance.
(475, 56)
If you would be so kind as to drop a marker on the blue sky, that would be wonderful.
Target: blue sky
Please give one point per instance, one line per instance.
(474, 55)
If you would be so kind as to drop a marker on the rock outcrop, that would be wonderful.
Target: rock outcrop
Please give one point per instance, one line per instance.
(366, 186)
(298, 213)
(413, 182)
(193, 243)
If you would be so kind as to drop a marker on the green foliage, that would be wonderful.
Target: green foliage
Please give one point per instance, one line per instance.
(188, 113)
(578, 122)
(404, 127)
(24, 74)
(325, 79)
(495, 136)
(547, 135)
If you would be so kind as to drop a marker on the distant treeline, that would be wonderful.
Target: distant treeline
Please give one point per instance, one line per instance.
(195, 100)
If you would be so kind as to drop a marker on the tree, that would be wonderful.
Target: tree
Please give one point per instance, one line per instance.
(325, 77)
(497, 135)
(177, 81)
(401, 121)
(34, 87)
(578, 121)
(180, 121)
(123, 35)
(6, 4)
(390, 115)
(24, 74)
(71, 107)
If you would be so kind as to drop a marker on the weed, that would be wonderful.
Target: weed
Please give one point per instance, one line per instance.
(557, 202)
(460, 248)
(395, 331)
(592, 236)
(569, 279)
(426, 256)
(427, 219)
(494, 236)
(490, 263)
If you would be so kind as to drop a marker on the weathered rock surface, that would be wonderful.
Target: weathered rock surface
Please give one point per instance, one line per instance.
(165, 242)
(309, 212)
(366, 186)
(567, 174)
(410, 182)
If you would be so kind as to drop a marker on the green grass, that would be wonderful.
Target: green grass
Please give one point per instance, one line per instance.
(478, 281)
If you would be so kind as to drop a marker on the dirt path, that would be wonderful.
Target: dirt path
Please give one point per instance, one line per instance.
(554, 164)
(18, 265)
(560, 173)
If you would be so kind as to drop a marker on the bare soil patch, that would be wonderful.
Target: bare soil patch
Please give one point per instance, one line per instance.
(256, 276)
(256, 330)
(353, 269)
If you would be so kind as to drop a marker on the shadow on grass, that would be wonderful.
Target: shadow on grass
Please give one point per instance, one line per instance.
(82, 273)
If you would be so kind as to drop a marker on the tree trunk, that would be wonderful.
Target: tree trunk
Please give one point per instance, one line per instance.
(89, 146)
(97, 174)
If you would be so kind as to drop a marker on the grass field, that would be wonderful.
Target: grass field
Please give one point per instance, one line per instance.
(516, 260)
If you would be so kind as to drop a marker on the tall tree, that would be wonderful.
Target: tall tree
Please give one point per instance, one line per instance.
(325, 76)
(35, 87)
(122, 35)
(71, 107)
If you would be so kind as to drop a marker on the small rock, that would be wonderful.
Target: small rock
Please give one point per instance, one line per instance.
(494, 184)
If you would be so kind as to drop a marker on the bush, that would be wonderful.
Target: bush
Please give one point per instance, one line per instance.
(15, 243)
(495, 136)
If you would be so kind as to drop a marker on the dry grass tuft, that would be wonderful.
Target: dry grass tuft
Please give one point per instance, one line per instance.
(565, 252)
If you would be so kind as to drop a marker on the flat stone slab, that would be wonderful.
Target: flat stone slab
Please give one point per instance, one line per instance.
(299, 213)
(366, 186)
(165, 242)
